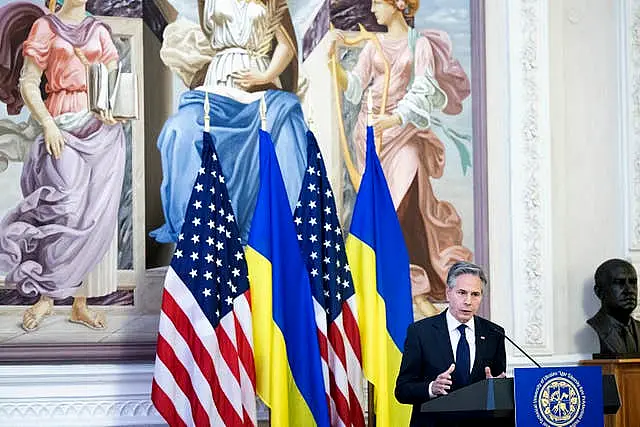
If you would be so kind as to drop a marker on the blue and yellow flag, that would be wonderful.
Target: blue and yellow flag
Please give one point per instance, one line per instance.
(286, 349)
(380, 267)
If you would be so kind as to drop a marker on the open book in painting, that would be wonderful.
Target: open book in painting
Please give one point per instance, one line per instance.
(113, 90)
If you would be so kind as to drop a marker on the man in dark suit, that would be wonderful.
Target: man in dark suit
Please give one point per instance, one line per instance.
(453, 349)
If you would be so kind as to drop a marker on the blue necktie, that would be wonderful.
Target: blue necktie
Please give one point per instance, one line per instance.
(463, 358)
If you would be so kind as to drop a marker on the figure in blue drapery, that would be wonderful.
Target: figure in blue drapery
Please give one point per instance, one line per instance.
(240, 51)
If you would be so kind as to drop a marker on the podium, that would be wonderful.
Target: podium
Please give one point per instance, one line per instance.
(627, 374)
(491, 402)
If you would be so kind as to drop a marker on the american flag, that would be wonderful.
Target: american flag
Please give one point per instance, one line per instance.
(204, 373)
(322, 245)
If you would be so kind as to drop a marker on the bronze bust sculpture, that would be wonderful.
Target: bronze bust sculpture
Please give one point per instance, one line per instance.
(616, 285)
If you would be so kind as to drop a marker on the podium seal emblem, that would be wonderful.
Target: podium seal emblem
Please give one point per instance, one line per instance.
(559, 400)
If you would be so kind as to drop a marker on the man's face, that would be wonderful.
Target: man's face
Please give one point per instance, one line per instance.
(465, 297)
(621, 295)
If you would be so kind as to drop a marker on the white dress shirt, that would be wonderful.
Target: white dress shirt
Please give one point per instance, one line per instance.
(454, 337)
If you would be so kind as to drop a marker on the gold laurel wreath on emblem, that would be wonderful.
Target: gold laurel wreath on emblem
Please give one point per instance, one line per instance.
(363, 35)
(559, 401)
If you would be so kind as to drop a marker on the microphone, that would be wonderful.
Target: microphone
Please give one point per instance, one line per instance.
(516, 345)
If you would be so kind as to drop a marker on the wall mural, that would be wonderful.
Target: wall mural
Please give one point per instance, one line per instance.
(57, 239)
(420, 90)
(68, 224)
(416, 72)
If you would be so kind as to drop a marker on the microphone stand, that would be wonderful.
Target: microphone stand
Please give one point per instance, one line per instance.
(518, 347)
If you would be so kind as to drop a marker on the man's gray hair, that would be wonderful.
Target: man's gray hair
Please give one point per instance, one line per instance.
(465, 267)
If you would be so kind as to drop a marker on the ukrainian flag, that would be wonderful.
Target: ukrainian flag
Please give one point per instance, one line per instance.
(380, 267)
(287, 353)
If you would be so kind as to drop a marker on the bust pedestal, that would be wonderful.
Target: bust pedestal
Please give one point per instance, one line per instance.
(627, 373)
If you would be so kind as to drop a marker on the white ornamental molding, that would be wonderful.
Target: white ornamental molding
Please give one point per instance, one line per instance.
(81, 395)
(141, 410)
(629, 100)
(629, 54)
(530, 144)
(77, 395)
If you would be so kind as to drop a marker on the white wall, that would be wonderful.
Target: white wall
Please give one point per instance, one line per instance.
(556, 140)
(586, 149)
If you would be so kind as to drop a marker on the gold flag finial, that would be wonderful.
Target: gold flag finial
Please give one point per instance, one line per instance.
(310, 122)
(263, 113)
(207, 119)
(369, 108)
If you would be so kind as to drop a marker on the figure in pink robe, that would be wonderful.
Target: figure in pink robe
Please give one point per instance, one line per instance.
(68, 218)
(424, 78)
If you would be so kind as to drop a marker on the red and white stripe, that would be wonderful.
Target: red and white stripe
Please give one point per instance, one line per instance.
(321, 329)
(342, 365)
(203, 376)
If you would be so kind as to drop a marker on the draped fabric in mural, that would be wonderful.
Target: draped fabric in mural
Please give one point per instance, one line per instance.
(420, 90)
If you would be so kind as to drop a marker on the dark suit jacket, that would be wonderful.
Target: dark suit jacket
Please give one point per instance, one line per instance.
(611, 342)
(427, 353)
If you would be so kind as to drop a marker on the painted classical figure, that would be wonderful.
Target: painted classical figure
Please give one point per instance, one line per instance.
(424, 79)
(240, 51)
(73, 171)
(616, 285)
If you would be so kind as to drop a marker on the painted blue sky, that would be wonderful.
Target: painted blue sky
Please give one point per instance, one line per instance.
(453, 17)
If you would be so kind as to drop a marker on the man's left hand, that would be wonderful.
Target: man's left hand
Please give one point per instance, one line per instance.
(487, 373)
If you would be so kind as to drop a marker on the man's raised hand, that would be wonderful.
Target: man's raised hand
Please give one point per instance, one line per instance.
(442, 383)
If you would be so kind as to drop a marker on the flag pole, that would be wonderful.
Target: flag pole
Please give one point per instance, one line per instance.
(369, 108)
(371, 404)
(263, 114)
(370, 388)
(207, 119)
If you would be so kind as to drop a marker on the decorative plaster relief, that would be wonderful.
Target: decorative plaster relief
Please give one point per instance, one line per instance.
(630, 94)
(531, 185)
